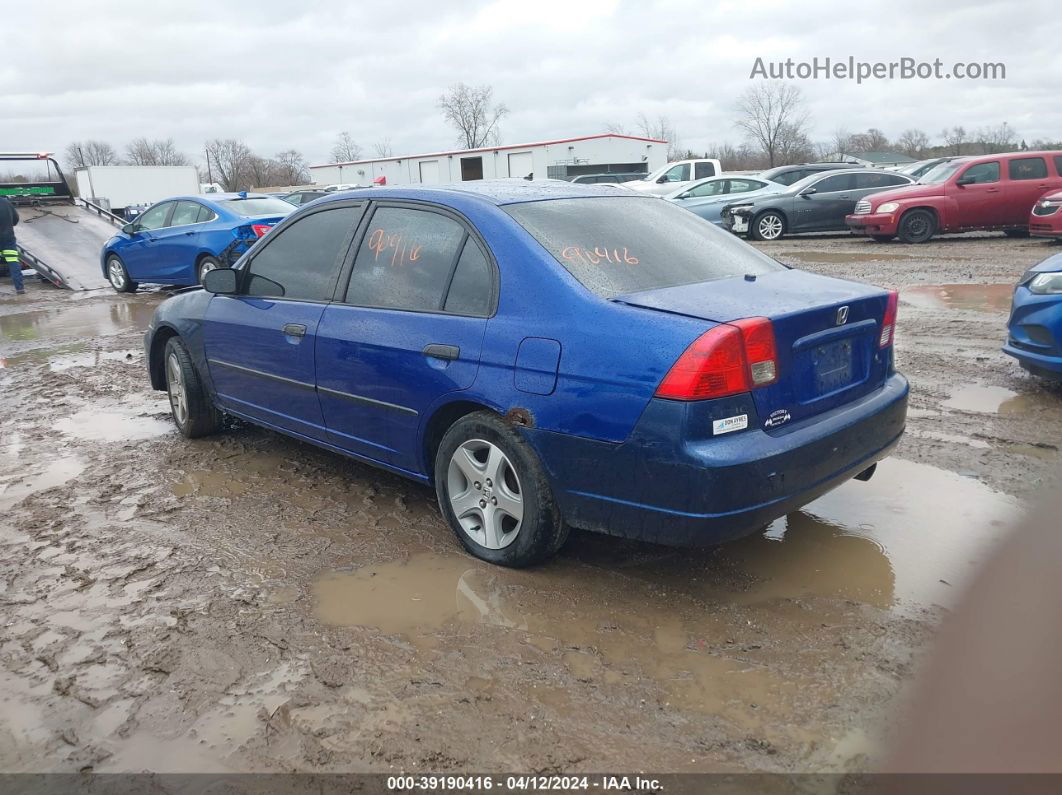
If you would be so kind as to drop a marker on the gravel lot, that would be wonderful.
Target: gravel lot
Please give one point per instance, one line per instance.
(247, 602)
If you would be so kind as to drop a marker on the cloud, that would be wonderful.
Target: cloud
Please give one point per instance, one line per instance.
(282, 75)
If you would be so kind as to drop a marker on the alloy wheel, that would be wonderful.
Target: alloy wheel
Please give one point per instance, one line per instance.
(176, 388)
(485, 494)
(116, 273)
(770, 227)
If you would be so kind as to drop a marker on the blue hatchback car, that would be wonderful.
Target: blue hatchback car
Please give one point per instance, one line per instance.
(1035, 325)
(546, 355)
(178, 240)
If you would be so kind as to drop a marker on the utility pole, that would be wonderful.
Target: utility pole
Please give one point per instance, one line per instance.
(210, 176)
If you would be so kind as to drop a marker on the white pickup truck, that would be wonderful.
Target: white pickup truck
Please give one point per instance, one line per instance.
(674, 176)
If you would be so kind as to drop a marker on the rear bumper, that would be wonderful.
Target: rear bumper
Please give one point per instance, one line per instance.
(872, 224)
(716, 489)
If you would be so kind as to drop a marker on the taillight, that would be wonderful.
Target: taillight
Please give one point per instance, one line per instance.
(261, 229)
(888, 323)
(726, 360)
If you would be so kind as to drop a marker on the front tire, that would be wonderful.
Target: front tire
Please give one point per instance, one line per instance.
(917, 226)
(206, 265)
(767, 226)
(193, 411)
(118, 276)
(494, 494)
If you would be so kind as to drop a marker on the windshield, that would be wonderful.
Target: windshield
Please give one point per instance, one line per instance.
(619, 245)
(264, 205)
(940, 173)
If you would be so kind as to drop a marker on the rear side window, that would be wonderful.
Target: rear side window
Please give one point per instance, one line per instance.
(982, 172)
(302, 260)
(744, 185)
(1027, 168)
(185, 213)
(205, 214)
(702, 170)
(405, 260)
(620, 245)
(883, 180)
(470, 288)
(789, 177)
(836, 183)
(1058, 165)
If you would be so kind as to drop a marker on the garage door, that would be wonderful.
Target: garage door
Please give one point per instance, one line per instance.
(521, 164)
(429, 172)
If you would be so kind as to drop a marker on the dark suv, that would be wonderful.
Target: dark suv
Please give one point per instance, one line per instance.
(787, 175)
(818, 203)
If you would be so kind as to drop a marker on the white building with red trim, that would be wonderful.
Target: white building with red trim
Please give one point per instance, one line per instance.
(561, 159)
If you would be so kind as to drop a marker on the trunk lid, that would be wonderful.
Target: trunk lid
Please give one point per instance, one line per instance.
(826, 334)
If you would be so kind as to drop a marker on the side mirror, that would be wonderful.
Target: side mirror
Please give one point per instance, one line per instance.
(807, 194)
(964, 181)
(129, 229)
(663, 179)
(220, 281)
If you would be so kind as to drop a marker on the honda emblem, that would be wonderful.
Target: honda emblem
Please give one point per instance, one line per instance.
(842, 315)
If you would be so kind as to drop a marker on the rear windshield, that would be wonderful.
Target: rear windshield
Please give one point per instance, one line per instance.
(265, 205)
(619, 245)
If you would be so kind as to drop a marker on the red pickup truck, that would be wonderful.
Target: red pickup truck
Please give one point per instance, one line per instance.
(988, 192)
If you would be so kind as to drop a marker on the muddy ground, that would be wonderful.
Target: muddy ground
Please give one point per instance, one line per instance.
(248, 602)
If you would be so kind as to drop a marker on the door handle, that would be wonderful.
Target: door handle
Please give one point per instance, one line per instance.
(992, 190)
(445, 352)
(294, 329)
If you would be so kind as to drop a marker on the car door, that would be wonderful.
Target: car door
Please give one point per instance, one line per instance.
(978, 198)
(260, 342)
(139, 254)
(824, 204)
(1027, 181)
(408, 330)
(175, 244)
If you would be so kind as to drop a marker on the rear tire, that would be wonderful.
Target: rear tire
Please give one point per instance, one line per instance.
(883, 238)
(192, 409)
(206, 265)
(917, 226)
(767, 226)
(1016, 232)
(494, 494)
(118, 276)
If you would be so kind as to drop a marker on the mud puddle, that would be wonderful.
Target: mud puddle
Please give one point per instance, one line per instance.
(98, 318)
(19, 485)
(137, 417)
(985, 399)
(844, 257)
(978, 297)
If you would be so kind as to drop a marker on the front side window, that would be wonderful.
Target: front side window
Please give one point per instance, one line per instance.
(618, 245)
(679, 173)
(185, 213)
(714, 188)
(302, 260)
(1027, 168)
(155, 218)
(836, 183)
(703, 170)
(405, 260)
(981, 172)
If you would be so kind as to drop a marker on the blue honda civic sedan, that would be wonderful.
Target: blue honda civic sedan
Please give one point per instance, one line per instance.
(546, 355)
(1035, 325)
(178, 240)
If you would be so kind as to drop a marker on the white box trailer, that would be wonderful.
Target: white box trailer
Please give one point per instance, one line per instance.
(118, 187)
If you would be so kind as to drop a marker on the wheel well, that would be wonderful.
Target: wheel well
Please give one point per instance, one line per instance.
(155, 358)
(440, 422)
(931, 210)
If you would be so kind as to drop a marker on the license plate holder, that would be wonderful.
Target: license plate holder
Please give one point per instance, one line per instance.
(740, 223)
(832, 365)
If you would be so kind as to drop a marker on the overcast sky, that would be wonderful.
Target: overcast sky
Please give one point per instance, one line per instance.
(294, 73)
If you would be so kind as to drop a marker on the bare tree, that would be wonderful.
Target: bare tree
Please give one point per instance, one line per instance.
(954, 138)
(663, 130)
(90, 153)
(471, 111)
(291, 168)
(345, 149)
(383, 148)
(873, 140)
(913, 142)
(230, 160)
(772, 116)
(995, 139)
(840, 145)
(617, 128)
(159, 152)
(734, 157)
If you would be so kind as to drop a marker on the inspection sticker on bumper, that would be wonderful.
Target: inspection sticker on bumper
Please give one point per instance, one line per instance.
(738, 423)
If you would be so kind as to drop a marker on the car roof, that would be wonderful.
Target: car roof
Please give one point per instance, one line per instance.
(497, 192)
(213, 197)
(836, 172)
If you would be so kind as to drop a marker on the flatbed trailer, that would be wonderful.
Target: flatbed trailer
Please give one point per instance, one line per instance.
(59, 235)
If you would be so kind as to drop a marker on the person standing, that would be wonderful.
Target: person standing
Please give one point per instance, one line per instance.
(8, 247)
